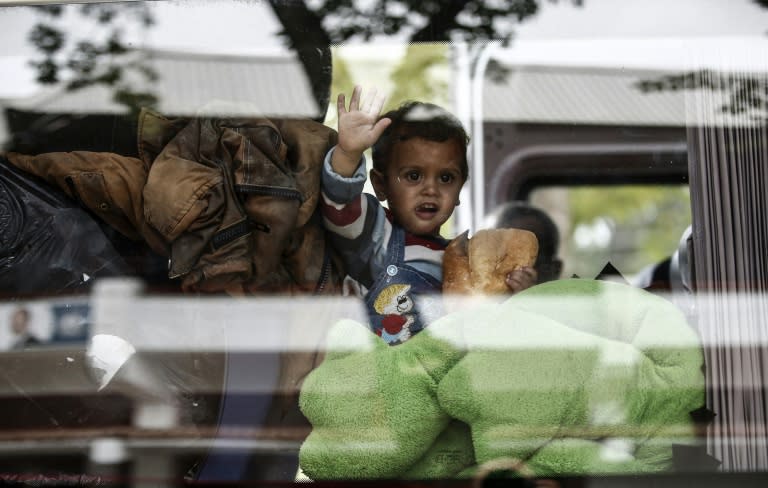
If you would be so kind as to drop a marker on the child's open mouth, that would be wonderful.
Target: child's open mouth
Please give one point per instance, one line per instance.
(427, 210)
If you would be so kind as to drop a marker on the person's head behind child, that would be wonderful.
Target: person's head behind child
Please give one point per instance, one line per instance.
(522, 215)
(420, 165)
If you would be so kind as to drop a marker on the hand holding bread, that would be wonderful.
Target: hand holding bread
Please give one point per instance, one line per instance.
(483, 264)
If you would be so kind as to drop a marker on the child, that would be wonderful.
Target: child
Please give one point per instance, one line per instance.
(522, 215)
(419, 168)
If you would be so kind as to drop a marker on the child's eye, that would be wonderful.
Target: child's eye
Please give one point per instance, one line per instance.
(447, 178)
(413, 176)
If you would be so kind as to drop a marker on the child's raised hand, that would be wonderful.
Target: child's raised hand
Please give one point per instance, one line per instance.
(521, 278)
(359, 127)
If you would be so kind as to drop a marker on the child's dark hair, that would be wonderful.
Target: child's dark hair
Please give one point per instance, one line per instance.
(419, 119)
(522, 215)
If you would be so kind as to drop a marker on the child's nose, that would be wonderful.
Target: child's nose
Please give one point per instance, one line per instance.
(430, 187)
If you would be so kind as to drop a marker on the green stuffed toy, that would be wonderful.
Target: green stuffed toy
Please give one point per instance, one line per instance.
(567, 377)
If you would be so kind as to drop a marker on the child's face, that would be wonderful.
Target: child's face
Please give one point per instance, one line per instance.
(421, 184)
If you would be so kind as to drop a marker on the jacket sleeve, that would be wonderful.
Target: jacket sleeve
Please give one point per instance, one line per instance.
(357, 223)
(108, 184)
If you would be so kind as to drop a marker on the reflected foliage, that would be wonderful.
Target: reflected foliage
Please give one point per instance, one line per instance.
(104, 58)
(418, 20)
(746, 94)
(411, 78)
(643, 225)
(308, 27)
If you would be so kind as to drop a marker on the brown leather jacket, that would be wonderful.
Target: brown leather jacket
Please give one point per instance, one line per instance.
(230, 201)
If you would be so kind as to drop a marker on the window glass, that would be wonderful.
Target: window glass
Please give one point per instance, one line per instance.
(630, 227)
(179, 302)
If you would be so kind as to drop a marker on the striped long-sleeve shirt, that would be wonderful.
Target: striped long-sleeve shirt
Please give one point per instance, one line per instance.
(361, 228)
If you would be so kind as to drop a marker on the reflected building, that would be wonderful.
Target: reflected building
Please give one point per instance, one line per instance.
(183, 84)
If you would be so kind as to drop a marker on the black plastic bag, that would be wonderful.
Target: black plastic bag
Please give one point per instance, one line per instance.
(49, 245)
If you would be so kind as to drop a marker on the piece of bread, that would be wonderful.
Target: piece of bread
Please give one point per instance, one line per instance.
(479, 266)
(456, 273)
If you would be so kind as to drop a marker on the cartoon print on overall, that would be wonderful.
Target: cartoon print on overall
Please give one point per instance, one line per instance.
(391, 301)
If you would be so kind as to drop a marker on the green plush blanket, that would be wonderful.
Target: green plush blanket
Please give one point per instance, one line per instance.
(571, 377)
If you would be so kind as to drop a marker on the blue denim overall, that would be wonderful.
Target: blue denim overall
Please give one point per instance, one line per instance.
(394, 299)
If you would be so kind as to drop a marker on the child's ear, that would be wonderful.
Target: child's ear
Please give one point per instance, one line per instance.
(379, 183)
